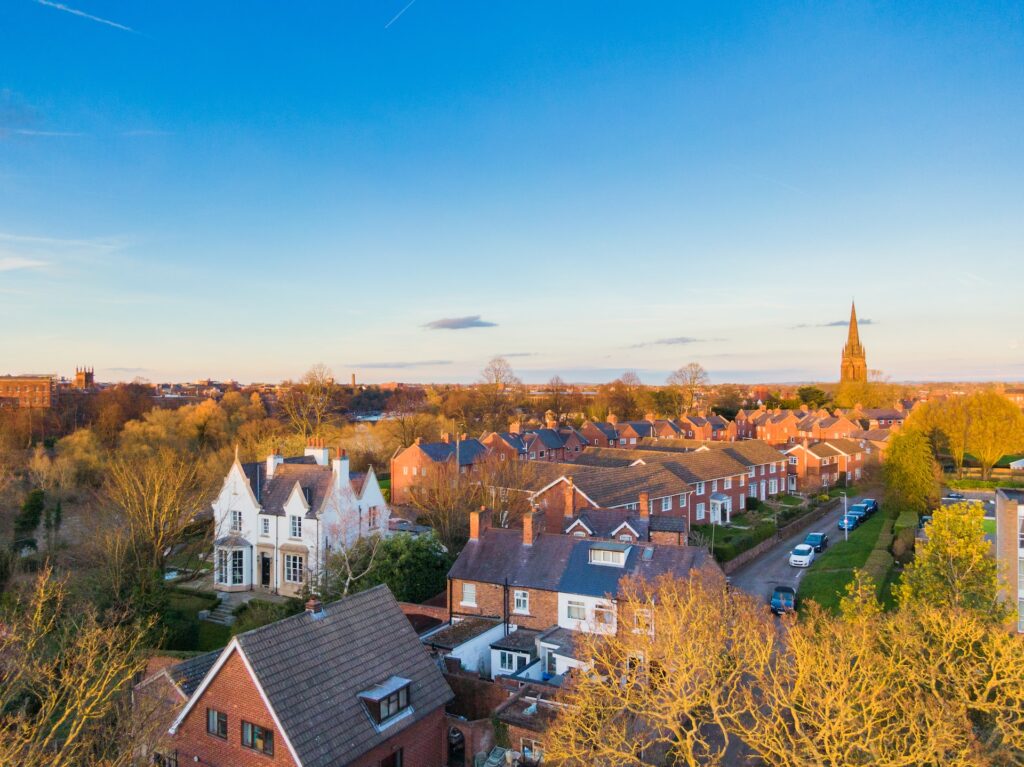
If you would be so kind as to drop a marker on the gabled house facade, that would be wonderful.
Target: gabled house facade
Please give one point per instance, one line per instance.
(347, 683)
(276, 521)
(411, 466)
(600, 434)
(817, 466)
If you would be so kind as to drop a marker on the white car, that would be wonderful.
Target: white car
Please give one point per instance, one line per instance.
(801, 556)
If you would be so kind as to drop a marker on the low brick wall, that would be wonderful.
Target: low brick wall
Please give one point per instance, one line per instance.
(785, 531)
(441, 613)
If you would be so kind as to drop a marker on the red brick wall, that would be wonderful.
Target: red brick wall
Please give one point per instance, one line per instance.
(424, 744)
(489, 596)
(233, 692)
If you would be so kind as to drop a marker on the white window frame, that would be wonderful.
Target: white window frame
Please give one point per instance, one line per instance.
(700, 511)
(468, 594)
(699, 490)
(607, 558)
(604, 615)
(508, 661)
(295, 526)
(265, 526)
(521, 601)
(236, 521)
(294, 568)
(580, 608)
(714, 486)
(727, 483)
(666, 503)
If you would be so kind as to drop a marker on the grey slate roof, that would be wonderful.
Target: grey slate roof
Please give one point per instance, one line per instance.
(561, 563)
(189, 673)
(469, 451)
(314, 480)
(312, 671)
(256, 473)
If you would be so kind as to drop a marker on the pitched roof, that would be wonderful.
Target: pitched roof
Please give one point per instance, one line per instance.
(557, 562)
(847, 446)
(753, 452)
(314, 480)
(605, 428)
(189, 673)
(469, 451)
(696, 466)
(603, 522)
(312, 671)
(256, 473)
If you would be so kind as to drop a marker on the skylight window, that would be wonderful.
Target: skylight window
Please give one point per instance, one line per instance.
(387, 700)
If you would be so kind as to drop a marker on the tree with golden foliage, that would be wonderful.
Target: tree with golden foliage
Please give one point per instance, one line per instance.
(665, 688)
(65, 679)
(953, 566)
(705, 675)
(996, 428)
(910, 472)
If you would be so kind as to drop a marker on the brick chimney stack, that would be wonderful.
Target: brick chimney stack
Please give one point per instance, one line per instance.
(612, 419)
(533, 523)
(479, 521)
(515, 427)
(569, 503)
(446, 436)
(645, 504)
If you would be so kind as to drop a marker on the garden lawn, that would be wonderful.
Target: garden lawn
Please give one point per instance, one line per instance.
(212, 636)
(989, 526)
(826, 579)
(790, 500)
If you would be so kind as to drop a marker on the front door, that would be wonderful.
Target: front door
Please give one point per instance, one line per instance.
(264, 571)
(716, 512)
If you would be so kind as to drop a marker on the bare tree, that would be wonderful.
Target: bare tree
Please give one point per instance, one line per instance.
(65, 680)
(308, 403)
(689, 380)
(157, 495)
(498, 391)
(344, 566)
(557, 399)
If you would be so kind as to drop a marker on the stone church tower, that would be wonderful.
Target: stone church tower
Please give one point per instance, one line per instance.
(855, 365)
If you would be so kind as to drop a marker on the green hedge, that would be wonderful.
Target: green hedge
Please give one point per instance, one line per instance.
(885, 536)
(878, 565)
(903, 546)
(745, 540)
(906, 520)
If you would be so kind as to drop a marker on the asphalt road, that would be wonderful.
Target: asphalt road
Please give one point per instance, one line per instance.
(762, 574)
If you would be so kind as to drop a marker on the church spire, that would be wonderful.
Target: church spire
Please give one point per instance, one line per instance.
(854, 367)
(853, 338)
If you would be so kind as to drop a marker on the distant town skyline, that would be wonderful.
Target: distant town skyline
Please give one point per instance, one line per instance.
(405, 191)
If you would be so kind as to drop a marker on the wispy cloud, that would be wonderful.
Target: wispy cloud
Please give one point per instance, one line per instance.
(460, 323)
(397, 15)
(401, 365)
(84, 15)
(518, 354)
(674, 341)
(134, 133)
(13, 263)
(50, 133)
(833, 324)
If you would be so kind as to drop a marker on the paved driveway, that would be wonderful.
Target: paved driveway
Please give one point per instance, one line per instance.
(762, 574)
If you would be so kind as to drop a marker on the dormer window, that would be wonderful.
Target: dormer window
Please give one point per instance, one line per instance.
(387, 700)
(607, 556)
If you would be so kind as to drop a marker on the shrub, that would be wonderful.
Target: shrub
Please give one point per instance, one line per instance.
(885, 536)
(878, 565)
(903, 546)
(753, 504)
(731, 548)
(259, 612)
(906, 520)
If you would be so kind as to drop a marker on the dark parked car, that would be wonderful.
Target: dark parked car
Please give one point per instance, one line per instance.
(871, 504)
(859, 512)
(783, 600)
(955, 495)
(922, 521)
(817, 541)
(848, 522)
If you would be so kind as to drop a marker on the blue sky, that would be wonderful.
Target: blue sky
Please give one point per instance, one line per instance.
(243, 189)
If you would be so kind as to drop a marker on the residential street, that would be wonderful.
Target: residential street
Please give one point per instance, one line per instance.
(772, 569)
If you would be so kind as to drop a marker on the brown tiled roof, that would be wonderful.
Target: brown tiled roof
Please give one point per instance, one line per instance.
(698, 466)
(753, 452)
(848, 446)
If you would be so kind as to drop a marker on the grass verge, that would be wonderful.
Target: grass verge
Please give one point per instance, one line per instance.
(826, 579)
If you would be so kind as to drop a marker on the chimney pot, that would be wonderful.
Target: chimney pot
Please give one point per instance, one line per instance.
(315, 607)
(479, 522)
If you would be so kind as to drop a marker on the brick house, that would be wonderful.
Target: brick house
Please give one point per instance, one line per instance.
(411, 465)
(822, 427)
(553, 443)
(814, 466)
(600, 434)
(343, 683)
(549, 586)
(1009, 550)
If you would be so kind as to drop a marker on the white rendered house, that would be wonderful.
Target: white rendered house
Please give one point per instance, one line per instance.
(276, 520)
